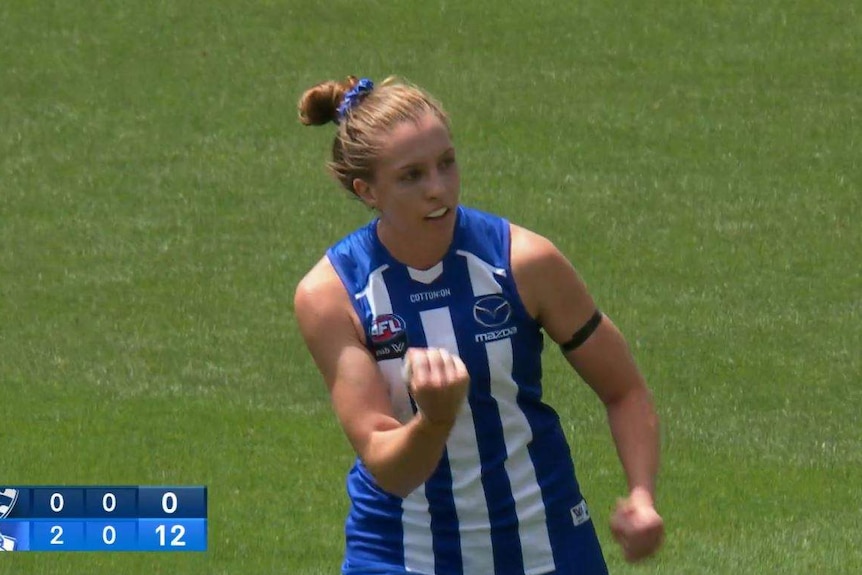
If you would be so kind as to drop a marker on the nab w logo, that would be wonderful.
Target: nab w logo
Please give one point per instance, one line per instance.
(8, 497)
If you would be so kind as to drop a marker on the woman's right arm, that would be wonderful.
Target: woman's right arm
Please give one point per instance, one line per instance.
(399, 456)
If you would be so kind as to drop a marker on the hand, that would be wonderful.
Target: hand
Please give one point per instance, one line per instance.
(438, 382)
(637, 526)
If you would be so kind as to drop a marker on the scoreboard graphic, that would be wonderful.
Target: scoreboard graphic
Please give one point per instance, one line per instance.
(103, 518)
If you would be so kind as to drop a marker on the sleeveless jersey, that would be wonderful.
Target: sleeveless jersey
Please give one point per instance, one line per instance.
(504, 499)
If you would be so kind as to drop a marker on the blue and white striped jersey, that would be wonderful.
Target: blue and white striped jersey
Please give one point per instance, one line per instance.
(504, 499)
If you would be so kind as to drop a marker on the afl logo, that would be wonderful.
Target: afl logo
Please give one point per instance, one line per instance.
(387, 327)
(388, 337)
(492, 311)
(8, 497)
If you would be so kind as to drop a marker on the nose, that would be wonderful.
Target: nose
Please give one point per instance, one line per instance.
(436, 187)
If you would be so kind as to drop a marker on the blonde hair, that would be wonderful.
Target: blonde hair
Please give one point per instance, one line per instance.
(363, 127)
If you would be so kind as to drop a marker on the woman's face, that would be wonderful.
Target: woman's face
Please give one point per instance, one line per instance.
(416, 184)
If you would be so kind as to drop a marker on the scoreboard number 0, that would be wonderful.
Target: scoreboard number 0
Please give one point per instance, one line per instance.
(57, 502)
(177, 530)
(109, 502)
(169, 502)
(109, 535)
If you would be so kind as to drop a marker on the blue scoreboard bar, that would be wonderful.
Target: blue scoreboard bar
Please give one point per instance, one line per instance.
(103, 518)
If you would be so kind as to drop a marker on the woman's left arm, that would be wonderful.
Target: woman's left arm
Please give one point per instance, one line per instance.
(557, 297)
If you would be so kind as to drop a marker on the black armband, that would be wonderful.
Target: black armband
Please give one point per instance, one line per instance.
(583, 333)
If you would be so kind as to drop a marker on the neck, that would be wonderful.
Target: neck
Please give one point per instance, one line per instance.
(411, 249)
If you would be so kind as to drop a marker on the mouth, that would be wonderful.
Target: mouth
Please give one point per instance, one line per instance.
(437, 214)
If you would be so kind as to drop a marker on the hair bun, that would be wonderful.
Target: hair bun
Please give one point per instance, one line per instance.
(319, 104)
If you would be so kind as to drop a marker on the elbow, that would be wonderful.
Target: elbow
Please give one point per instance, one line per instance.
(389, 482)
(386, 461)
(397, 474)
(400, 458)
(400, 491)
(636, 406)
(637, 397)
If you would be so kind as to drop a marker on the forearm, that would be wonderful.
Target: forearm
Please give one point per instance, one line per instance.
(635, 429)
(403, 458)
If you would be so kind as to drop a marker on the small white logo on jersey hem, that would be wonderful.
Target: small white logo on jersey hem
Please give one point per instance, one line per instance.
(580, 513)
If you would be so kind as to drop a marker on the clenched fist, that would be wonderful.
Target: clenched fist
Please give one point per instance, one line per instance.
(637, 526)
(437, 381)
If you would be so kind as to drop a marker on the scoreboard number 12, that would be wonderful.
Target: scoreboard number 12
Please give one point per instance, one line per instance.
(177, 530)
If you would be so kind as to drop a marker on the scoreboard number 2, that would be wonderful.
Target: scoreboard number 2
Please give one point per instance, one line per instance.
(57, 531)
(177, 531)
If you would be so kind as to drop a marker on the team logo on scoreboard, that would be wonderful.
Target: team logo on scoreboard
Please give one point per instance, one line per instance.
(388, 336)
(7, 543)
(8, 497)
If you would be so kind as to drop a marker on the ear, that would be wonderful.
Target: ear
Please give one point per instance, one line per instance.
(365, 192)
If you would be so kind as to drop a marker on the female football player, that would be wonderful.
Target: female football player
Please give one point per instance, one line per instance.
(427, 327)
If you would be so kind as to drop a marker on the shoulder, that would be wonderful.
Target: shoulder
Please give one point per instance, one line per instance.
(321, 280)
(356, 242)
(532, 253)
(320, 299)
(482, 224)
(548, 284)
(483, 234)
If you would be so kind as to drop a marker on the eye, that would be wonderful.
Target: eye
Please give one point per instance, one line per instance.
(411, 175)
(447, 163)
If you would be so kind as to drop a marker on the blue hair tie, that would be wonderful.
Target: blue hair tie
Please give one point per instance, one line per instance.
(352, 97)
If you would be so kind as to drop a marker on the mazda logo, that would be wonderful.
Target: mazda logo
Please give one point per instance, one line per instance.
(492, 310)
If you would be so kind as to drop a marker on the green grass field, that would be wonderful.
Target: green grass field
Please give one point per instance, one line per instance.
(698, 161)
